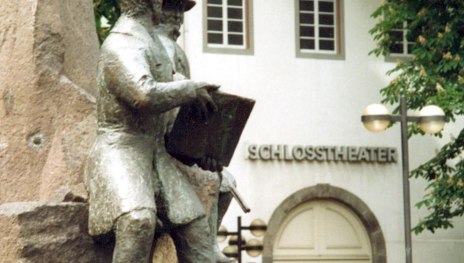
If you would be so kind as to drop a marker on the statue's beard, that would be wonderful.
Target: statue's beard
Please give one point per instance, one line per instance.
(176, 33)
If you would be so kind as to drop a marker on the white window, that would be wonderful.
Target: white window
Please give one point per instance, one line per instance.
(227, 24)
(402, 46)
(319, 29)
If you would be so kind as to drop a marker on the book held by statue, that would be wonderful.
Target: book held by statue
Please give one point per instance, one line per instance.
(191, 139)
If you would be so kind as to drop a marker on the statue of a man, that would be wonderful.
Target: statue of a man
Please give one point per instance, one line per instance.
(132, 180)
(168, 32)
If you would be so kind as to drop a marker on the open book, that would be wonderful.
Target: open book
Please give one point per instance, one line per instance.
(191, 139)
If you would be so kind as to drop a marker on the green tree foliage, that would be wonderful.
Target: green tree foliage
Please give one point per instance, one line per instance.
(106, 14)
(433, 75)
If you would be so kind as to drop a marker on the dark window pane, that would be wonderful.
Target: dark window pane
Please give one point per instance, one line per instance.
(307, 44)
(215, 25)
(234, 2)
(214, 38)
(306, 5)
(306, 31)
(326, 45)
(396, 35)
(326, 32)
(214, 11)
(306, 18)
(326, 7)
(396, 49)
(215, 2)
(234, 13)
(234, 26)
(326, 19)
(235, 40)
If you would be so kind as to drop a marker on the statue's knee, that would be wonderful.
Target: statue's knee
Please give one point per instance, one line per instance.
(134, 235)
(136, 221)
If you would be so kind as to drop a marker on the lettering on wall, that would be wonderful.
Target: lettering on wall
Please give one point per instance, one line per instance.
(280, 152)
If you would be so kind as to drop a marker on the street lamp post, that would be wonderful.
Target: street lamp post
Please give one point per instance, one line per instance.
(253, 247)
(431, 120)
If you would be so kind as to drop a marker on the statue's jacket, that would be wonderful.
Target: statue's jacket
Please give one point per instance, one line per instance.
(128, 168)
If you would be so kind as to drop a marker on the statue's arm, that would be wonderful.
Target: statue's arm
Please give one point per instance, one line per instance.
(128, 75)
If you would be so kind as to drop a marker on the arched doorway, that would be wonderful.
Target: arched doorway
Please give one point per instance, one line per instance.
(336, 223)
(322, 231)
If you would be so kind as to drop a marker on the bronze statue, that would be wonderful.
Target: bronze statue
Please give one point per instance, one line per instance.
(132, 180)
(168, 32)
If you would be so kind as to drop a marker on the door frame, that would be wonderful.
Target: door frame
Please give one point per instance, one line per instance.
(327, 192)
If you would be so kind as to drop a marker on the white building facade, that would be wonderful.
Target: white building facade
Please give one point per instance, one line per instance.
(329, 190)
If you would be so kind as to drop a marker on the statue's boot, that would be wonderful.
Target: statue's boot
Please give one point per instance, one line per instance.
(193, 243)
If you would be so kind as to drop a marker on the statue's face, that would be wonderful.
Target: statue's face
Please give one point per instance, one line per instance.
(172, 20)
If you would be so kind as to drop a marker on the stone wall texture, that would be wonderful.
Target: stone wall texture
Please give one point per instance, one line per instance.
(48, 57)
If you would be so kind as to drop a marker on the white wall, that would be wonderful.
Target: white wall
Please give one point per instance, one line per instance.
(316, 102)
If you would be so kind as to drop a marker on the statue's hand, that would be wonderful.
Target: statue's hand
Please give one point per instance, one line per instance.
(205, 85)
(210, 164)
(204, 105)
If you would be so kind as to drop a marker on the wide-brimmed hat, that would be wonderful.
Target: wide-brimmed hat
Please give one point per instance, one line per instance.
(189, 4)
(184, 5)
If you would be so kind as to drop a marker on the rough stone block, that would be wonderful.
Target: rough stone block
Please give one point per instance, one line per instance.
(35, 232)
